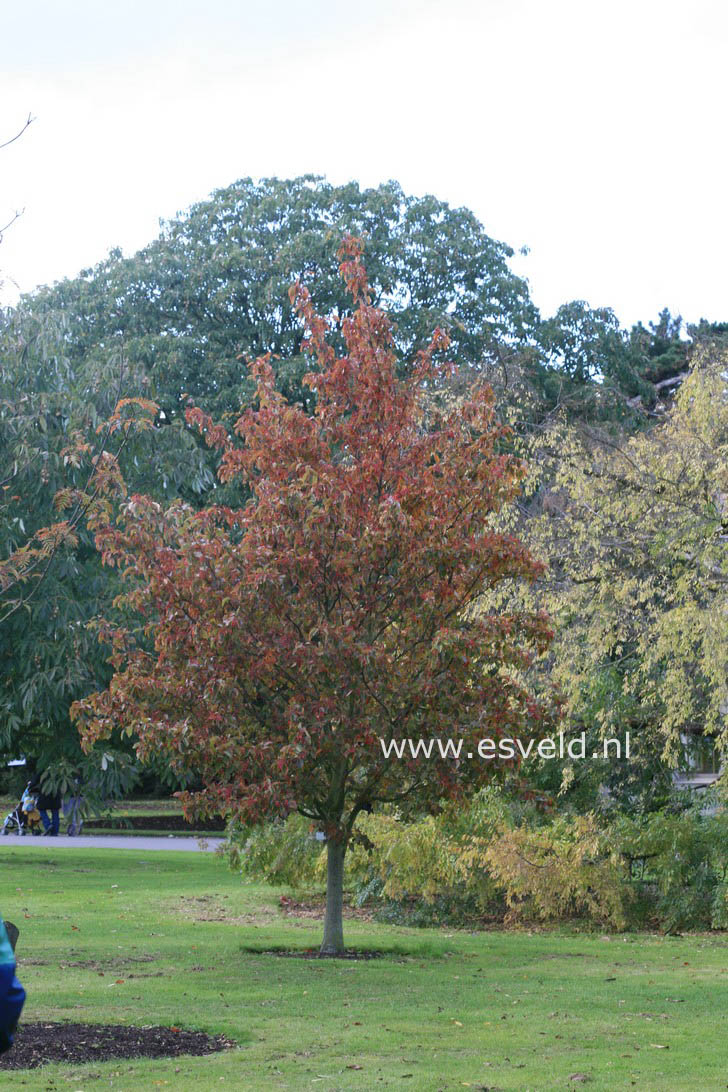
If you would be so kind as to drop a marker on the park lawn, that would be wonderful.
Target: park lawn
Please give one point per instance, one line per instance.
(166, 805)
(120, 936)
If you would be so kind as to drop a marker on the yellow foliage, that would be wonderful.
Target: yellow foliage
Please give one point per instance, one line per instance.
(411, 857)
(556, 872)
(634, 529)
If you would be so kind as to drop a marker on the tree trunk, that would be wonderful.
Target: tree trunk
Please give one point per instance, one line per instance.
(333, 941)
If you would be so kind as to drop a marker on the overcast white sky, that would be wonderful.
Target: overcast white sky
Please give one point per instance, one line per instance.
(593, 132)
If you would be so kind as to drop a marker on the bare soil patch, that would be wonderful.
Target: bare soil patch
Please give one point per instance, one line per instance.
(315, 909)
(212, 908)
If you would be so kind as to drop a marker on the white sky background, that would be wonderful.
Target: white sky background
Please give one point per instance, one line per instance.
(593, 132)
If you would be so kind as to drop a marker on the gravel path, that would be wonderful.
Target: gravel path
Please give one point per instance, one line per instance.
(114, 841)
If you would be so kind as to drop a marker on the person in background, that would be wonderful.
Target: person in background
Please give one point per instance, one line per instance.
(48, 802)
(12, 994)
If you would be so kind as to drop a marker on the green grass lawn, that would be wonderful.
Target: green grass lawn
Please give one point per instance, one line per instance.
(127, 937)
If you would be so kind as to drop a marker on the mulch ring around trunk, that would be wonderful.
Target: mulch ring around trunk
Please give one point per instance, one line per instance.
(314, 953)
(41, 1044)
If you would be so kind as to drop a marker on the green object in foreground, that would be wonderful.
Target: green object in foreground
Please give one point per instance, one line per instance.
(124, 937)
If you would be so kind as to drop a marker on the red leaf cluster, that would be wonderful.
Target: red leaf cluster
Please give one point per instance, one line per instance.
(336, 606)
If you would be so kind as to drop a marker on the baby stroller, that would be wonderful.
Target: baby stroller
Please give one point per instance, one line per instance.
(25, 816)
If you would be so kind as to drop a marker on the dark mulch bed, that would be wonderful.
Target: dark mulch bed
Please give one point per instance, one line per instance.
(314, 953)
(41, 1044)
(154, 822)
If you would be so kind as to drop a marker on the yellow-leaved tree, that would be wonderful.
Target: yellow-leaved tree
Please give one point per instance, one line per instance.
(635, 532)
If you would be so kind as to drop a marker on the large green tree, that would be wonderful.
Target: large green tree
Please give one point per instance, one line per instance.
(211, 293)
(60, 445)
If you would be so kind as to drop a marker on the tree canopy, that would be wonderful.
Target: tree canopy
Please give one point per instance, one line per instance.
(211, 293)
(632, 528)
(62, 433)
(180, 322)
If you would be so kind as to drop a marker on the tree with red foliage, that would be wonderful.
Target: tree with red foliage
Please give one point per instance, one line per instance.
(336, 608)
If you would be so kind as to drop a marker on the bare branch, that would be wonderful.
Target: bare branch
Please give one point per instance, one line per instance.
(29, 121)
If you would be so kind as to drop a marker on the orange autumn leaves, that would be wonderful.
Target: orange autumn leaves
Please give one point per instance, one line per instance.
(282, 637)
